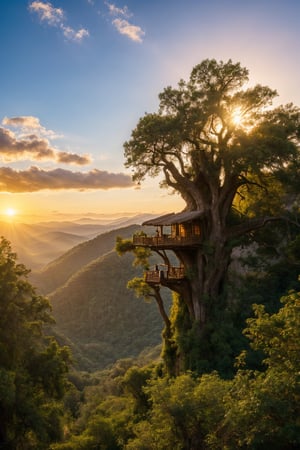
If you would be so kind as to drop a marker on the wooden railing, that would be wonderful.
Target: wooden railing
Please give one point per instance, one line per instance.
(152, 276)
(175, 272)
(172, 273)
(165, 241)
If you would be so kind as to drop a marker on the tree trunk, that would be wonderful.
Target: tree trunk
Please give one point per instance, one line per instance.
(206, 270)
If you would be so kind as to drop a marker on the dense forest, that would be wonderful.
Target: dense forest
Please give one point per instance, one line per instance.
(225, 372)
(96, 316)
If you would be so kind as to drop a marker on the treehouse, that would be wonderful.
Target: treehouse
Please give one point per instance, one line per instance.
(172, 231)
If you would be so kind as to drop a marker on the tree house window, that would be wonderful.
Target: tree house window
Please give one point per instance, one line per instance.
(196, 229)
(183, 232)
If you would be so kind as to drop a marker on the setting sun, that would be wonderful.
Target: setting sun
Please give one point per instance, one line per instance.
(10, 212)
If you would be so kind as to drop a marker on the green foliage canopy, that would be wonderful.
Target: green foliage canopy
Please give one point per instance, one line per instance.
(134, 408)
(33, 367)
(212, 133)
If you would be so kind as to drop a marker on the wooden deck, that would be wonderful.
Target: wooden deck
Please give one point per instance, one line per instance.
(170, 274)
(166, 241)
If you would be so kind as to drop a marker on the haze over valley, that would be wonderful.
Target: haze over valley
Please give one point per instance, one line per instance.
(74, 263)
(38, 243)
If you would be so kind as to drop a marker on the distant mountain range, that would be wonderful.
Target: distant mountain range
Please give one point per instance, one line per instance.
(58, 272)
(36, 244)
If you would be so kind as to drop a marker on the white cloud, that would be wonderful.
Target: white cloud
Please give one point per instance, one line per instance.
(133, 32)
(74, 35)
(114, 10)
(46, 12)
(55, 17)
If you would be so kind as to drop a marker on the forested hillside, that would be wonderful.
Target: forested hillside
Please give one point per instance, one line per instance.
(103, 319)
(95, 312)
(56, 273)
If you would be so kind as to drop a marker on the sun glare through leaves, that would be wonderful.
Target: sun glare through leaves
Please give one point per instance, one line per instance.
(237, 116)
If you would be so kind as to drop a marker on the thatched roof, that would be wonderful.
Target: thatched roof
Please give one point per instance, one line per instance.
(172, 218)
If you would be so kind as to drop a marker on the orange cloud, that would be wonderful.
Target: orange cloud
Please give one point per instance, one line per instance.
(28, 123)
(22, 121)
(32, 146)
(35, 179)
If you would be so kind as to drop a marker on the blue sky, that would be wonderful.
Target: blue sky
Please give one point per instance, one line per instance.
(77, 75)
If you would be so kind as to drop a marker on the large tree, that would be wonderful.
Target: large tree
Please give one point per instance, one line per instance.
(222, 146)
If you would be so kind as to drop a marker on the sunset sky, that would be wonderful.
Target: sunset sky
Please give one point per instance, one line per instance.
(76, 75)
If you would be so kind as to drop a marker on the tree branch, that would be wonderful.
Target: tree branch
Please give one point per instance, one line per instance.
(250, 225)
(161, 307)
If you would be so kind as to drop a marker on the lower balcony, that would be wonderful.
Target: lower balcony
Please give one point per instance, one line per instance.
(170, 274)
